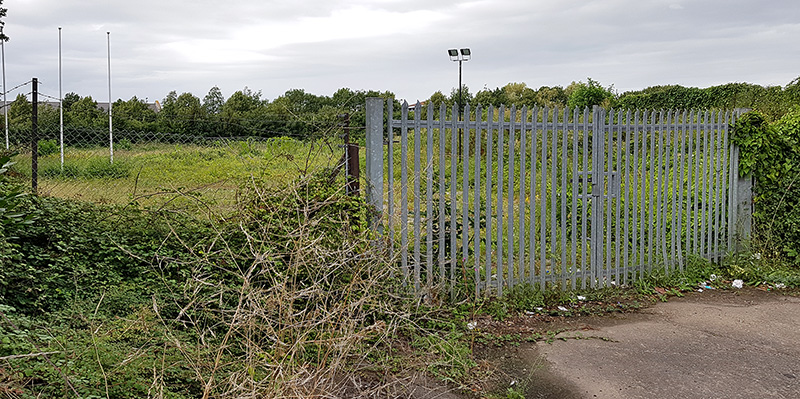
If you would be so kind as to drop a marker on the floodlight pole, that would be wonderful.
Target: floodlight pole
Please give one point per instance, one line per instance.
(461, 55)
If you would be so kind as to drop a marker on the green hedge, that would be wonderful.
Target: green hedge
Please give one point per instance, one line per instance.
(771, 152)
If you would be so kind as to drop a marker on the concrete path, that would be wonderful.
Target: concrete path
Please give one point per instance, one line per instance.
(719, 344)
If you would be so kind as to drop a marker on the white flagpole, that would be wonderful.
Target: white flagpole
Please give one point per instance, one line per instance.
(60, 102)
(110, 130)
(5, 89)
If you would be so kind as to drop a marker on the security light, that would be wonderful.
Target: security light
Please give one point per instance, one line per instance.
(453, 54)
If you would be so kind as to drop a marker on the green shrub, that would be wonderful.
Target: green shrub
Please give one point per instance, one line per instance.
(48, 147)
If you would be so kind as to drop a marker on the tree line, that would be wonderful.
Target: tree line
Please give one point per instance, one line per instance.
(245, 113)
(304, 115)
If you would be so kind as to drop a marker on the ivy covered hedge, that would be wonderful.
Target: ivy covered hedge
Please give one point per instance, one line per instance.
(771, 101)
(771, 152)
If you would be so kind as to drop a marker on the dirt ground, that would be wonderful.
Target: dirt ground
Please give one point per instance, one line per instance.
(723, 343)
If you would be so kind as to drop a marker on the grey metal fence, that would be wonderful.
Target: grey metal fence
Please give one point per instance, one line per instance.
(554, 198)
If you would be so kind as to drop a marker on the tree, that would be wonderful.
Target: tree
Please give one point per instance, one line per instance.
(182, 114)
(69, 99)
(466, 97)
(585, 95)
(243, 112)
(437, 99)
(3, 12)
(133, 115)
(84, 114)
(213, 101)
(519, 94)
(551, 97)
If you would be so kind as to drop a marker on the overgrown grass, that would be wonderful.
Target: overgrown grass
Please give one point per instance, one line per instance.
(289, 297)
(148, 173)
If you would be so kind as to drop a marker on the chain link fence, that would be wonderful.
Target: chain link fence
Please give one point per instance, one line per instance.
(158, 169)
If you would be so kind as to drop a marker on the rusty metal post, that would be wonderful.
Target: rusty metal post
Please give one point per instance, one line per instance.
(351, 154)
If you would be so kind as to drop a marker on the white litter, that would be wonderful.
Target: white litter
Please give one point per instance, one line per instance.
(563, 309)
(471, 325)
(780, 285)
(738, 283)
(581, 298)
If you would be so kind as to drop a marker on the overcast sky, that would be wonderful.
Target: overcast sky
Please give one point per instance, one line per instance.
(395, 45)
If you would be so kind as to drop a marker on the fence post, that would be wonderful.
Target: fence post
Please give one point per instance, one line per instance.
(352, 161)
(34, 136)
(744, 211)
(743, 201)
(374, 157)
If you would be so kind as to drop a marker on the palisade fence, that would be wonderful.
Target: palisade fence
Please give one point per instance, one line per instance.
(554, 198)
(158, 168)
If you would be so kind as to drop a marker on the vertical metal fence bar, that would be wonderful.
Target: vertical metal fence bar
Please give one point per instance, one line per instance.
(688, 165)
(563, 161)
(553, 192)
(510, 212)
(598, 191)
(465, 190)
(672, 175)
(532, 198)
(719, 172)
(608, 197)
(500, 165)
(417, 215)
(624, 188)
(575, 179)
(626, 197)
(643, 195)
(477, 201)
(731, 178)
(522, 169)
(442, 227)
(404, 195)
(618, 200)
(697, 181)
(652, 239)
(390, 173)
(714, 185)
(662, 187)
(734, 228)
(681, 189)
(726, 182)
(637, 260)
(705, 191)
(543, 198)
(453, 186)
(659, 189)
(664, 140)
(585, 235)
(429, 215)
(489, 150)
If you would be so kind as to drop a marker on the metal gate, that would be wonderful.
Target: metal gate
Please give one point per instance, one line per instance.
(554, 198)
